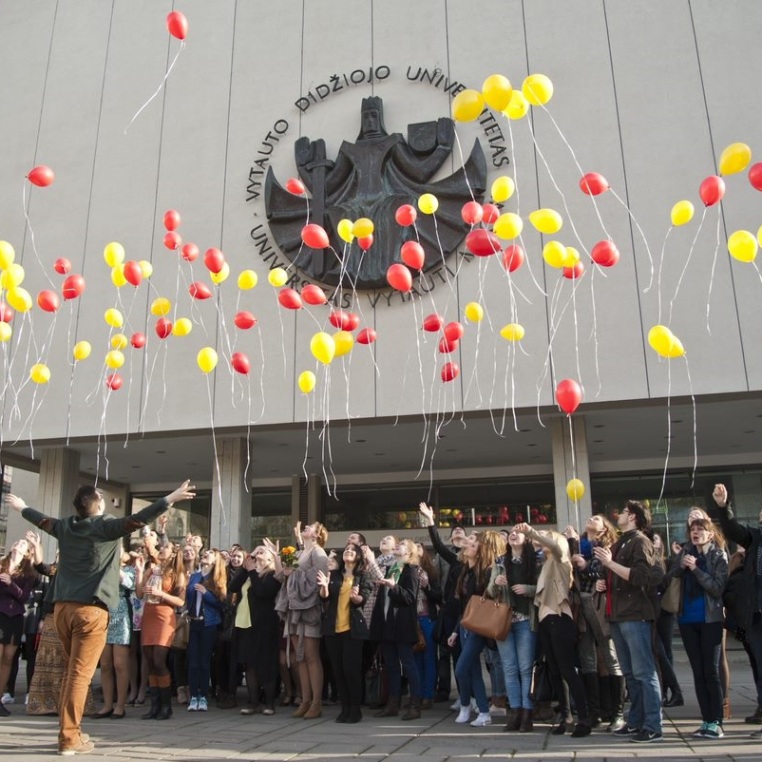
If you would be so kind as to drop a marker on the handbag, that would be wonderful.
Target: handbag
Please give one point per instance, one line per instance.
(541, 690)
(488, 617)
(227, 627)
(420, 646)
(182, 631)
(670, 601)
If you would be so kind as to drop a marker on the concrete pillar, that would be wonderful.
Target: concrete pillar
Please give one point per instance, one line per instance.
(569, 462)
(231, 504)
(58, 482)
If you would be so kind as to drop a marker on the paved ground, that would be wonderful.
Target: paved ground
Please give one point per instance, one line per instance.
(226, 735)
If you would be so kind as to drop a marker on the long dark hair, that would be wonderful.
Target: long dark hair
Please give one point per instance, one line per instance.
(359, 560)
(528, 563)
(425, 562)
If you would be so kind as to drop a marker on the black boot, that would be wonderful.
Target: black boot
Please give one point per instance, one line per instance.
(414, 710)
(153, 712)
(593, 700)
(676, 699)
(165, 699)
(616, 687)
(344, 714)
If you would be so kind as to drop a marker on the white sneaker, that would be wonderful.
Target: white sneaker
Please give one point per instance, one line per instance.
(474, 705)
(456, 706)
(193, 705)
(497, 710)
(202, 704)
(7, 699)
(464, 715)
(483, 719)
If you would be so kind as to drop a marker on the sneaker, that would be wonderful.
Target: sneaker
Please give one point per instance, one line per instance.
(482, 719)
(193, 705)
(625, 732)
(701, 732)
(499, 710)
(203, 706)
(7, 699)
(714, 730)
(464, 715)
(84, 747)
(456, 706)
(647, 736)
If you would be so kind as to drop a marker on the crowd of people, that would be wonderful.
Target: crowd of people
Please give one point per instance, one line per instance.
(591, 617)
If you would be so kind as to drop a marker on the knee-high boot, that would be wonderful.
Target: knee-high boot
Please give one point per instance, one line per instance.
(165, 700)
(593, 699)
(153, 712)
(616, 686)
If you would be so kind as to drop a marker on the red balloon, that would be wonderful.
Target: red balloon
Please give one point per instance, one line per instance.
(593, 184)
(190, 252)
(755, 175)
(73, 286)
(240, 363)
(405, 215)
(568, 395)
(133, 273)
(572, 273)
(513, 257)
(315, 237)
(482, 242)
(365, 242)
(296, 186)
(48, 301)
(177, 25)
(490, 213)
(472, 213)
(138, 340)
(711, 190)
(454, 331)
(41, 176)
(163, 328)
(171, 219)
(605, 254)
(172, 240)
(62, 266)
(413, 254)
(313, 294)
(433, 323)
(114, 381)
(450, 371)
(352, 323)
(366, 336)
(448, 345)
(290, 299)
(214, 260)
(199, 290)
(399, 278)
(244, 320)
(6, 313)
(339, 319)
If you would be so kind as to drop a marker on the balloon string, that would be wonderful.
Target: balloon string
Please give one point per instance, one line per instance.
(635, 222)
(695, 422)
(574, 464)
(261, 374)
(711, 274)
(223, 517)
(32, 238)
(685, 266)
(594, 334)
(158, 89)
(669, 432)
(658, 276)
(248, 441)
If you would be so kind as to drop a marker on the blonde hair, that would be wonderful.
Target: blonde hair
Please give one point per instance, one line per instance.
(321, 534)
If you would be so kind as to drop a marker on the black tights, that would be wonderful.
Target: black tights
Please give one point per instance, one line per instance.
(157, 660)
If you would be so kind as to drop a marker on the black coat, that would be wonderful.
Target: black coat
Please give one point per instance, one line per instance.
(399, 622)
(358, 627)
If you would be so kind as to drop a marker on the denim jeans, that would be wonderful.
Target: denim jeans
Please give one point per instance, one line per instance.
(399, 656)
(468, 670)
(517, 657)
(703, 644)
(82, 630)
(495, 668)
(200, 646)
(426, 660)
(635, 650)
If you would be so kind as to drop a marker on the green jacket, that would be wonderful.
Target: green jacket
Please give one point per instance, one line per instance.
(90, 550)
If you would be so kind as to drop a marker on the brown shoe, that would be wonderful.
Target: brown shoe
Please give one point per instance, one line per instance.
(527, 725)
(83, 747)
(512, 721)
(301, 710)
(427, 704)
(315, 711)
(391, 709)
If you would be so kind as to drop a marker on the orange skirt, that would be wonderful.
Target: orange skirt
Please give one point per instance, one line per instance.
(158, 627)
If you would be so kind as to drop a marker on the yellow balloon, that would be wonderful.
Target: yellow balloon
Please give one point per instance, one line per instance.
(39, 373)
(512, 332)
(277, 277)
(554, 253)
(113, 318)
(344, 229)
(115, 359)
(5, 332)
(363, 227)
(307, 381)
(508, 226)
(428, 203)
(207, 359)
(518, 106)
(571, 257)
(547, 221)
(146, 268)
(323, 347)
(7, 255)
(735, 158)
(222, 275)
(496, 91)
(660, 338)
(247, 280)
(474, 312)
(742, 245)
(575, 489)
(759, 236)
(160, 307)
(682, 212)
(82, 350)
(182, 327)
(502, 189)
(12, 276)
(117, 276)
(537, 89)
(19, 299)
(113, 254)
(344, 342)
(676, 348)
(467, 105)
(119, 341)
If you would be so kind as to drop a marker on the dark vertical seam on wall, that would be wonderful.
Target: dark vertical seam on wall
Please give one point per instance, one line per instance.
(627, 199)
(375, 307)
(722, 210)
